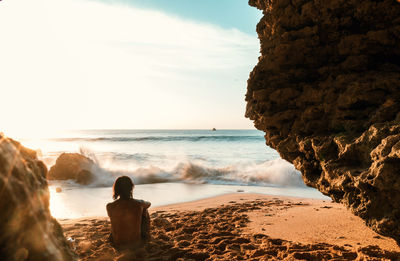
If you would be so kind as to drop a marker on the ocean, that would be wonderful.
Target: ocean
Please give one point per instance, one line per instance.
(168, 166)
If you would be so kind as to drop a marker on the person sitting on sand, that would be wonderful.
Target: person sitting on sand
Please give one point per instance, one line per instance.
(130, 220)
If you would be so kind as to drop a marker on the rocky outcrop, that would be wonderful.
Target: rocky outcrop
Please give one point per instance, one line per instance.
(28, 232)
(73, 166)
(326, 91)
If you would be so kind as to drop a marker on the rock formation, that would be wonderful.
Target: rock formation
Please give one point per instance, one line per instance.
(326, 91)
(28, 232)
(73, 166)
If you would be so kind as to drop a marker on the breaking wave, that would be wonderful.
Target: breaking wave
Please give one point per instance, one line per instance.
(277, 172)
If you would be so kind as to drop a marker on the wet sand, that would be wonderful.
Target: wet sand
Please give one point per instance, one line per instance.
(241, 227)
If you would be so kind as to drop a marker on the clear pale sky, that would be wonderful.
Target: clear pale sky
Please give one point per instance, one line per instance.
(116, 64)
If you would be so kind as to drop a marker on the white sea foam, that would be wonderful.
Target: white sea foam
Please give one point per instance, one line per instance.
(275, 172)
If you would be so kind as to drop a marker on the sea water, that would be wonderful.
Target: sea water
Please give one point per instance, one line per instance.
(168, 166)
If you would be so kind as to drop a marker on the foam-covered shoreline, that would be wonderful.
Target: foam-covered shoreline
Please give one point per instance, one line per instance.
(275, 172)
(242, 226)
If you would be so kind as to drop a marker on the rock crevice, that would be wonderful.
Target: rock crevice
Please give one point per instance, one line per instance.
(326, 91)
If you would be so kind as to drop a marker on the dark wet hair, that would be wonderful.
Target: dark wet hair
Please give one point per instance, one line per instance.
(123, 187)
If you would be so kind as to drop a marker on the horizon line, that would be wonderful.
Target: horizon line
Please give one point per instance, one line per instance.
(156, 129)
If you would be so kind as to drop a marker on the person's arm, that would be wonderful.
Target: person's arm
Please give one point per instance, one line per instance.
(108, 207)
(145, 204)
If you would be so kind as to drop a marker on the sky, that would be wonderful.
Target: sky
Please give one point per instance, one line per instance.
(125, 64)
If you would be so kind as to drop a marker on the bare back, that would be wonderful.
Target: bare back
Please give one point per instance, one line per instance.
(126, 219)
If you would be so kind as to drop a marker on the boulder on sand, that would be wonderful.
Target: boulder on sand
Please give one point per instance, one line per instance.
(73, 166)
(28, 231)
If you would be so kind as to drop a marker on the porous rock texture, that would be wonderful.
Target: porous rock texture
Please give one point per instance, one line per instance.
(326, 91)
(73, 166)
(28, 231)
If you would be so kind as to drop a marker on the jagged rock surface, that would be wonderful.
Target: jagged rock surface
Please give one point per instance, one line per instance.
(28, 231)
(326, 91)
(73, 166)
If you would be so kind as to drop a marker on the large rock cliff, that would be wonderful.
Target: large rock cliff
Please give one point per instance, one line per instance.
(326, 91)
(28, 231)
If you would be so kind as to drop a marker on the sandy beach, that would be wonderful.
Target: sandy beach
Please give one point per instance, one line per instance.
(241, 226)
